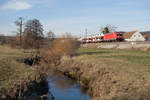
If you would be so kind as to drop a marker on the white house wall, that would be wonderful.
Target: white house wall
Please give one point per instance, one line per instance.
(137, 36)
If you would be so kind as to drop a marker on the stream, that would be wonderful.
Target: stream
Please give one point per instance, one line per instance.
(63, 88)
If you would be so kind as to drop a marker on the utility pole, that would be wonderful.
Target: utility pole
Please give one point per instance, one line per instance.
(86, 32)
(19, 23)
(20, 18)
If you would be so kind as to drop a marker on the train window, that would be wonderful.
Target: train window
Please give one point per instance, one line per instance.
(119, 34)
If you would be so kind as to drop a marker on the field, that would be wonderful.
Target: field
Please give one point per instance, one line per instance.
(117, 57)
(10, 69)
(128, 62)
(133, 63)
(129, 69)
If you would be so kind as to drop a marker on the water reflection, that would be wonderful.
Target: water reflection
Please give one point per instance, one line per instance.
(64, 88)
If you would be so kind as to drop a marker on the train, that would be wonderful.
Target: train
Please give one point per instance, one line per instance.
(107, 37)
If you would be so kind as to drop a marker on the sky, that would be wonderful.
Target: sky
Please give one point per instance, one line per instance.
(75, 16)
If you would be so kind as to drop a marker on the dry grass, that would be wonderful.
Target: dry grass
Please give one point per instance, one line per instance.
(131, 67)
(112, 74)
(132, 63)
(10, 69)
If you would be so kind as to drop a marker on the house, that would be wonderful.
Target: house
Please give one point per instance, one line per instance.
(133, 36)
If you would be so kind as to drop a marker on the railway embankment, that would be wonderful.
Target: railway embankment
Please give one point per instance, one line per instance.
(110, 74)
(120, 45)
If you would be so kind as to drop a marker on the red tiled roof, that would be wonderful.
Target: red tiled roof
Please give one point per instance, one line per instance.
(128, 35)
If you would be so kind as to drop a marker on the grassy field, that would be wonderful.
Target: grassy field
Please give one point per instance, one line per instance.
(10, 69)
(133, 59)
(132, 67)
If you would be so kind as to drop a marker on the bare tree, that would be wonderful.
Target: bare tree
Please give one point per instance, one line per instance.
(108, 29)
(19, 24)
(33, 34)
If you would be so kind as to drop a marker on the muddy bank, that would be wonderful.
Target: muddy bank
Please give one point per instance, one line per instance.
(103, 84)
(33, 87)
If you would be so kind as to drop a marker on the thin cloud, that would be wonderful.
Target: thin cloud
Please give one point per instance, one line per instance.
(16, 5)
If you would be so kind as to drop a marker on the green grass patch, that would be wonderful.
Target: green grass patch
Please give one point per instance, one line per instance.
(116, 59)
(133, 56)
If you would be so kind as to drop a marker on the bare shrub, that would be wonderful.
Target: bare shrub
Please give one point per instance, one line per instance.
(65, 45)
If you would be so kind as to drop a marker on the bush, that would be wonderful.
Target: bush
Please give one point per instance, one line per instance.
(65, 45)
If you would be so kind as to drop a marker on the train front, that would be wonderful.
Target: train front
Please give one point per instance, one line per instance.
(119, 36)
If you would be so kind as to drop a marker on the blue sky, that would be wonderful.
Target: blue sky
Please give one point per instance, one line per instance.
(74, 16)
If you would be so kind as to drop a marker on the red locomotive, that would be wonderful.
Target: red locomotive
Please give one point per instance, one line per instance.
(116, 36)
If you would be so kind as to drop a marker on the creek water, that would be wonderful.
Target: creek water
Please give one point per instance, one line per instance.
(63, 88)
